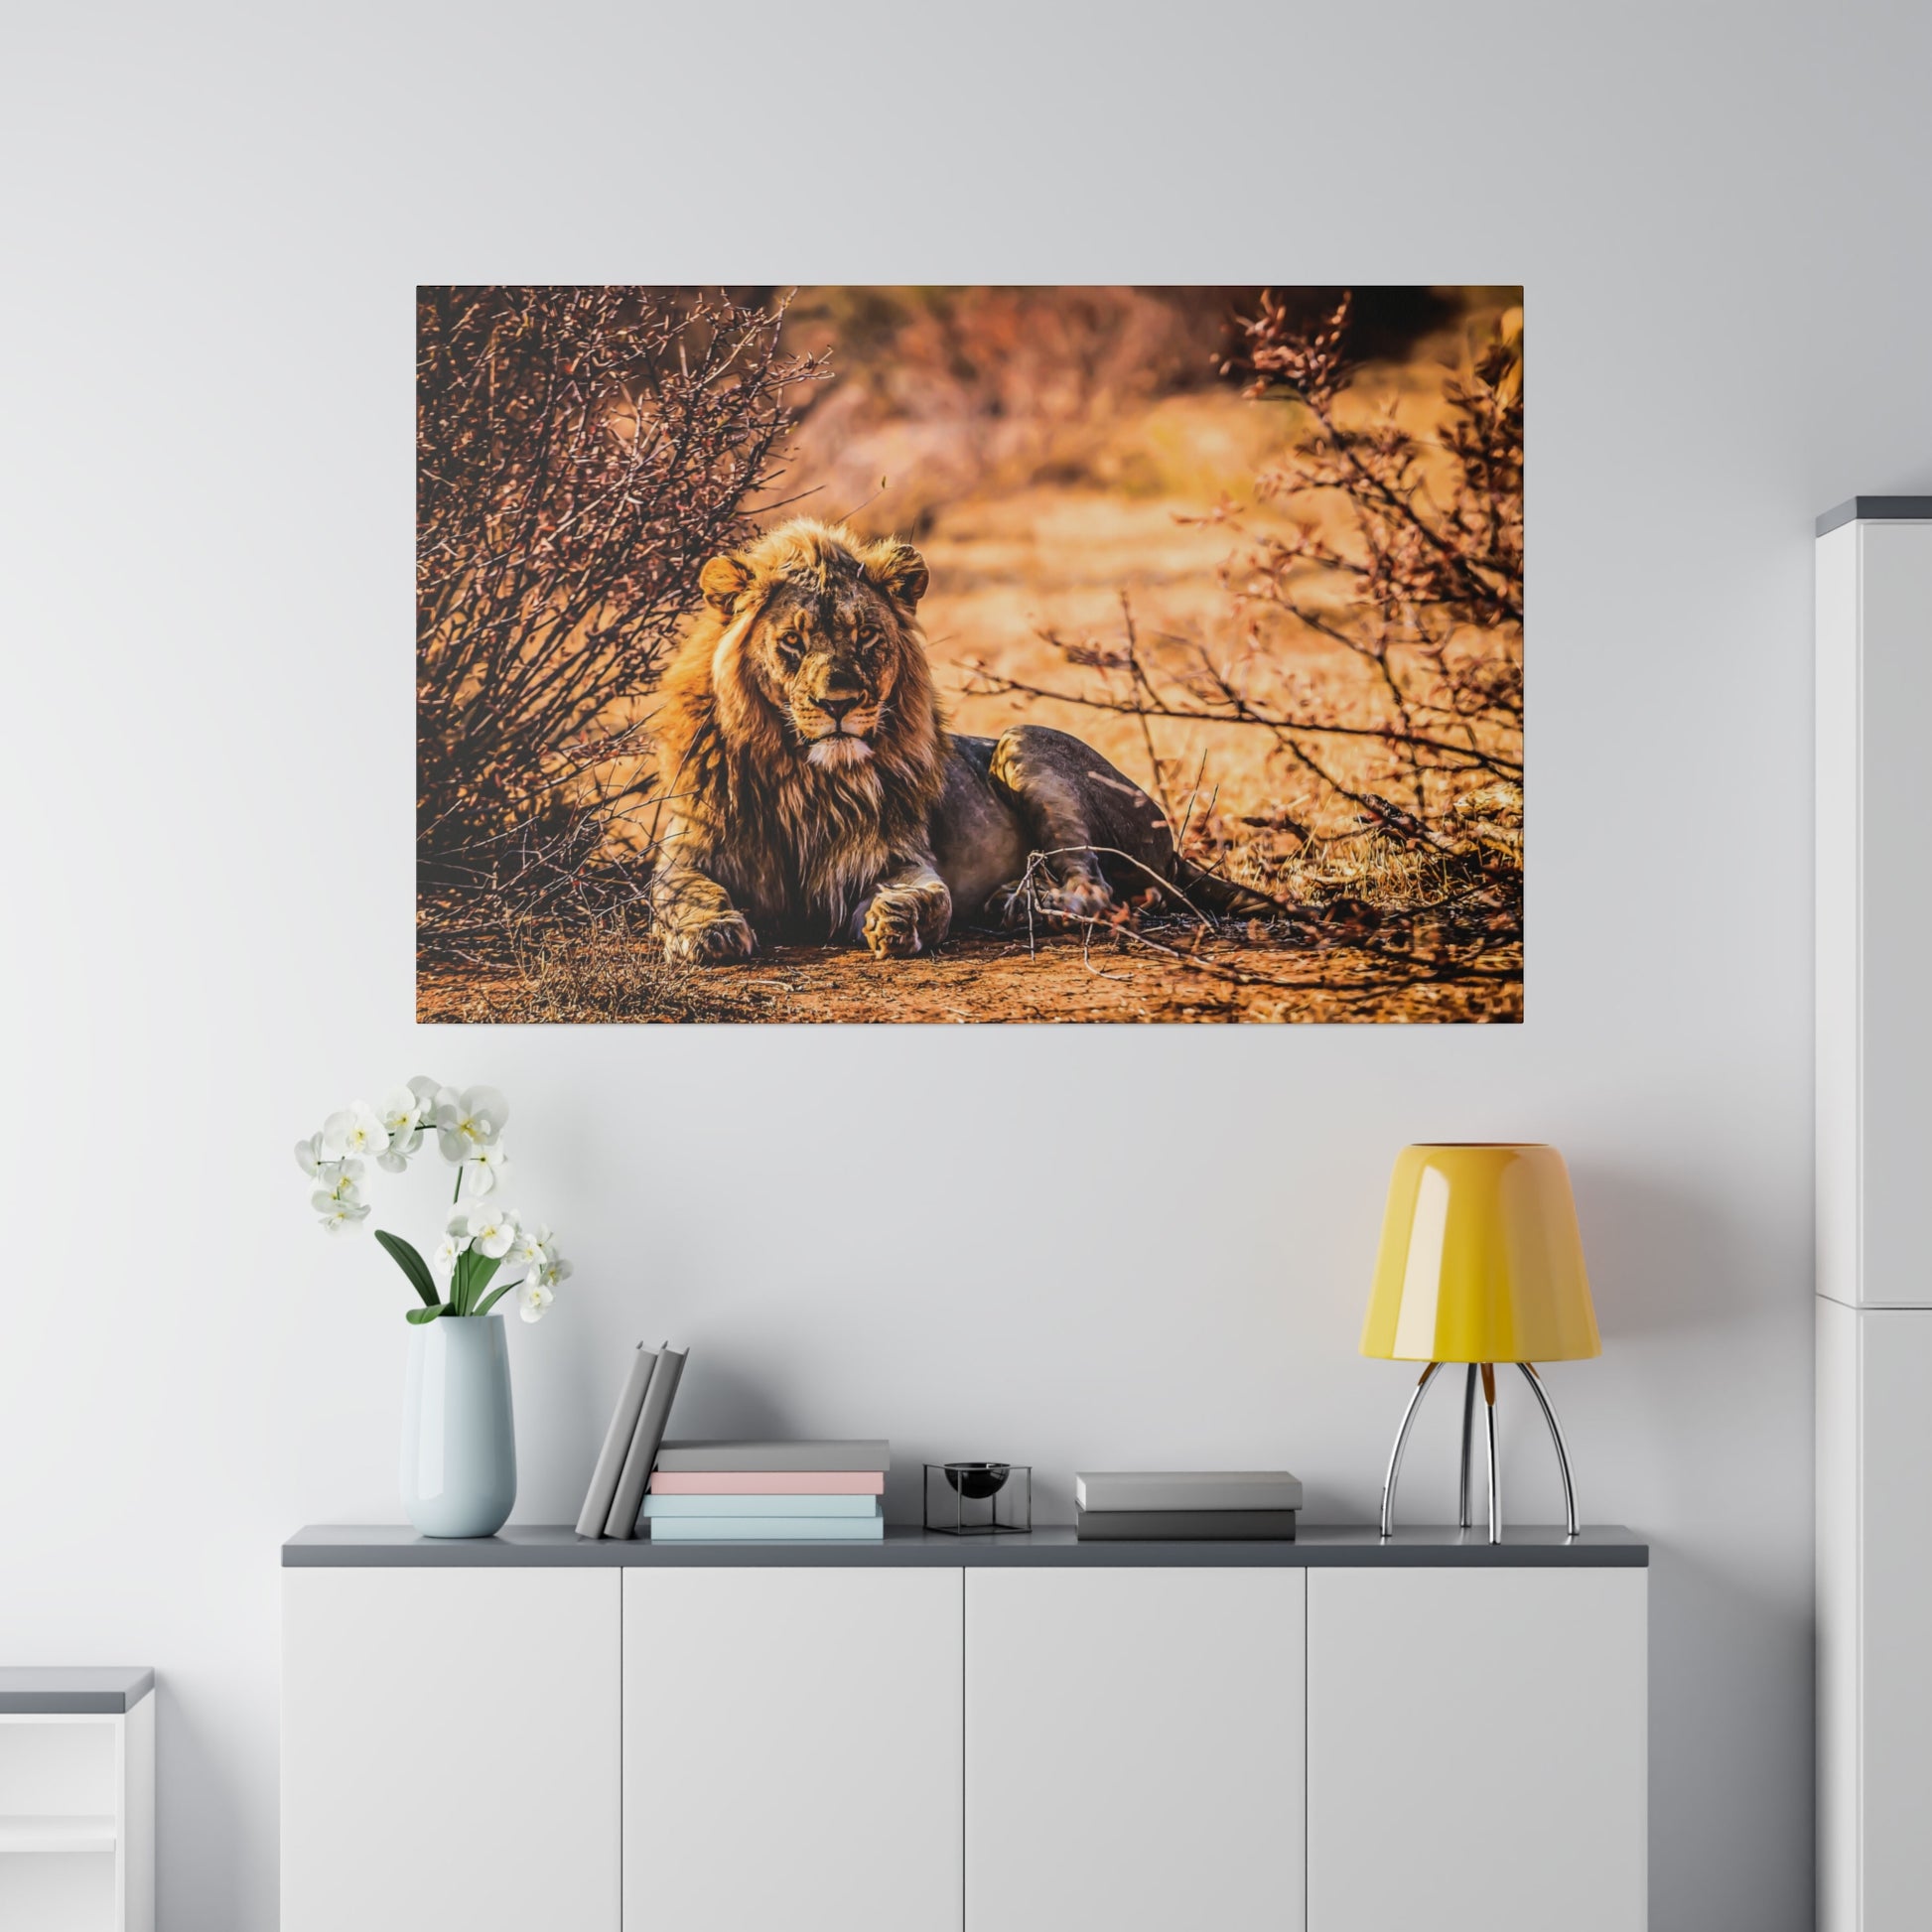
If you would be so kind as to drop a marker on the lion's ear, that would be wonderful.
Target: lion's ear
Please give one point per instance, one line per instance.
(724, 580)
(899, 571)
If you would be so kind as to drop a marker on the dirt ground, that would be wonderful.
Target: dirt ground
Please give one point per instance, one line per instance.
(986, 978)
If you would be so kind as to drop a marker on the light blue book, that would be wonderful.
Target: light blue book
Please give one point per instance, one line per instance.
(663, 1506)
(768, 1529)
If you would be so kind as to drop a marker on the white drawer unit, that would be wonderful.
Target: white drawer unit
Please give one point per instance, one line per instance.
(1874, 1281)
(77, 1800)
(947, 1734)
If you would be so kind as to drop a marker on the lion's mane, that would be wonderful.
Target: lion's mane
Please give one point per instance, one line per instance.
(795, 841)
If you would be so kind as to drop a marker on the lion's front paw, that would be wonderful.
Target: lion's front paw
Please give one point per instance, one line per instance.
(900, 923)
(712, 942)
(1038, 899)
(1081, 895)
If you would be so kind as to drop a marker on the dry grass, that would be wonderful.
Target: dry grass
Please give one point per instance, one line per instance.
(1325, 969)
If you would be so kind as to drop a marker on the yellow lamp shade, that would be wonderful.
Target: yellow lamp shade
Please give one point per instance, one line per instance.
(1480, 1260)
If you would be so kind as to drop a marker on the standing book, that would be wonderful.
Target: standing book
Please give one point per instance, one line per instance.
(645, 1443)
(617, 1444)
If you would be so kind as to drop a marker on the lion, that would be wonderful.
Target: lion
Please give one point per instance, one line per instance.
(817, 795)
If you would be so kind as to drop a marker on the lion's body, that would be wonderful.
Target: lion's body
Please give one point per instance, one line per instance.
(816, 794)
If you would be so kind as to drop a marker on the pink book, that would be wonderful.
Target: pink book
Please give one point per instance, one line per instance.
(769, 1483)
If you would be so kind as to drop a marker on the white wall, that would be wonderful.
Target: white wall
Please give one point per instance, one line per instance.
(1080, 1248)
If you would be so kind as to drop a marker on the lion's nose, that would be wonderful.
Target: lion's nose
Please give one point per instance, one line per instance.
(837, 707)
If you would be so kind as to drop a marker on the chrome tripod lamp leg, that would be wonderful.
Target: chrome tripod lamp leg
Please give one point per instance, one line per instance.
(1463, 1516)
(1401, 1440)
(1495, 1467)
(1555, 1436)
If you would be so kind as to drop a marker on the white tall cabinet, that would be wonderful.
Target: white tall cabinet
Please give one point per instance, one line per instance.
(1874, 1170)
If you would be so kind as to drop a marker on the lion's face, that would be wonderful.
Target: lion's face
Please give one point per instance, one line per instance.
(831, 663)
(824, 635)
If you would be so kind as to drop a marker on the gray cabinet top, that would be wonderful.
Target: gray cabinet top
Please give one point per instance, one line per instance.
(67, 1690)
(1876, 509)
(1318, 1546)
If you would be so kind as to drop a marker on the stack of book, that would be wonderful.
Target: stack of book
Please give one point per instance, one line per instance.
(630, 1443)
(780, 1492)
(1226, 1505)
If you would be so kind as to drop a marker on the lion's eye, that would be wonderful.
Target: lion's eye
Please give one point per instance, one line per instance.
(790, 644)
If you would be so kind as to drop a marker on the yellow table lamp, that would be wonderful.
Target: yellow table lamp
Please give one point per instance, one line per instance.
(1480, 1263)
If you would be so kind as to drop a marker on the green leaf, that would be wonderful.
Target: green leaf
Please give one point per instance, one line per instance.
(420, 1316)
(494, 1295)
(412, 1264)
(482, 1267)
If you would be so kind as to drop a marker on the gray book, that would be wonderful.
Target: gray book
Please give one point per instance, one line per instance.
(739, 1459)
(1189, 1489)
(617, 1444)
(1186, 1526)
(644, 1440)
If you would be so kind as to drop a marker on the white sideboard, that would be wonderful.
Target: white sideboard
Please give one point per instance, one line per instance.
(77, 1800)
(1874, 590)
(936, 1734)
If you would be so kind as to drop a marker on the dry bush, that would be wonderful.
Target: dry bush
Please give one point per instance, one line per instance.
(610, 969)
(550, 972)
(1374, 636)
(581, 452)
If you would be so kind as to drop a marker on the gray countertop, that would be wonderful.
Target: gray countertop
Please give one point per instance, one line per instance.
(1876, 509)
(64, 1689)
(543, 1545)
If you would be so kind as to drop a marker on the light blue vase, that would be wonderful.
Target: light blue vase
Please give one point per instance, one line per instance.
(459, 1441)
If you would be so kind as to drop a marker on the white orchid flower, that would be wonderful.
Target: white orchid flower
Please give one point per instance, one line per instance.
(426, 1091)
(401, 1114)
(341, 1179)
(468, 1121)
(491, 1230)
(531, 1300)
(400, 1110)
(533, 1246)
(309, 1156)
(357, 1130)
(341, 1212)
(551, 1271)
(456, 1239)
(487, 1171)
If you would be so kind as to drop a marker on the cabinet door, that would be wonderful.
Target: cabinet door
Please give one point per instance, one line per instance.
(1894, 1762)
(449, 1749)
(791, 1750)
(1134, 1749)
(1476, 1743)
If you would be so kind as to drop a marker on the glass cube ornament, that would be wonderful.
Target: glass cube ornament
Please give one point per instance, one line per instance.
(979, 1498)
